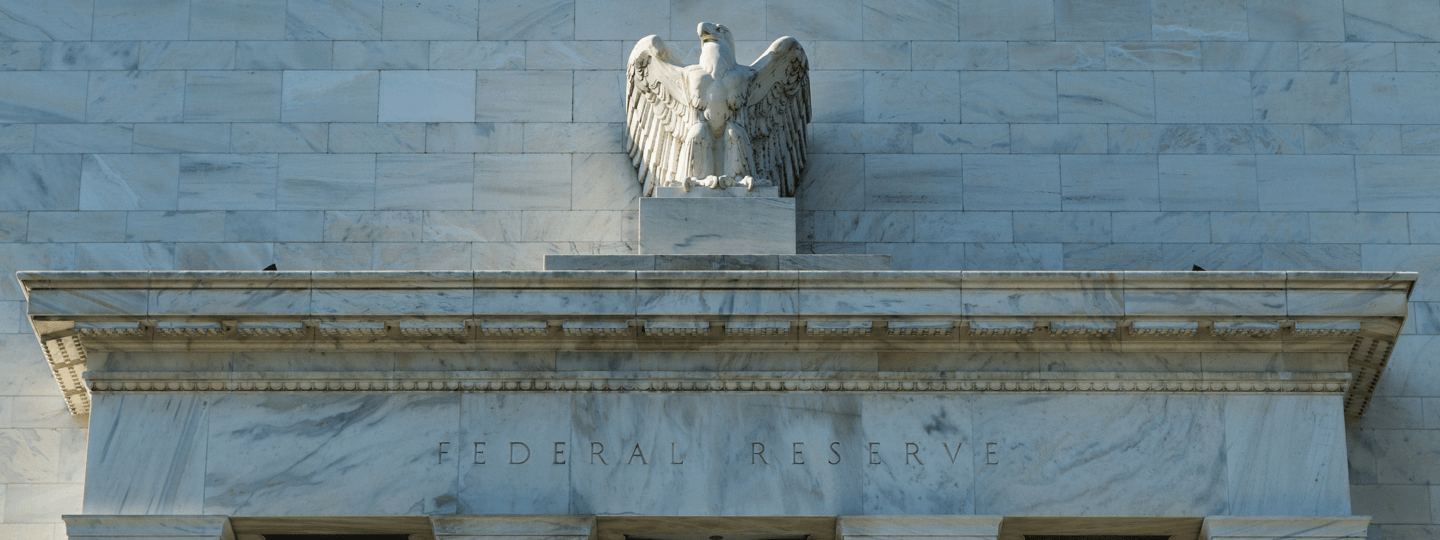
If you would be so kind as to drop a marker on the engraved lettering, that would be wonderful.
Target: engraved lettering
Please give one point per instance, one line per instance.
(835, 451)
(757, 449)
(990, 451)
(637, 453)
(798, 449)
(479, 453)
(874, 453)
(559, 453)
(512, 453)
(595, 450)
(912, 449)
(673, 459)
(957, 450)
(440, 458)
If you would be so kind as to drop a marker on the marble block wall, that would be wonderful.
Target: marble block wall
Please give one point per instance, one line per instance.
(955, 134)
(816, 454)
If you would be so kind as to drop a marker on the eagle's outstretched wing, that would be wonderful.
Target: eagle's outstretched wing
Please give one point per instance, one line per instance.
(777, 112)
(657, 111)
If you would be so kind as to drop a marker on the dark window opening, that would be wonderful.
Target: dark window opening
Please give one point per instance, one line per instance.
(337, 537)
(1094, 537)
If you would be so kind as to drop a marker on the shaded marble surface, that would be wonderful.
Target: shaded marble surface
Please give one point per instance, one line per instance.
(718, 262)
(1274, 443)
(147, 455)
(333, 455)
(530, 474)
(1136, 444)
(728, 454)
(714, 441)
(717, 226)
(925, 457)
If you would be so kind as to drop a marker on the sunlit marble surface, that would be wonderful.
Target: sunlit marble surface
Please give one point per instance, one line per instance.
(297, 454)
(717, 225)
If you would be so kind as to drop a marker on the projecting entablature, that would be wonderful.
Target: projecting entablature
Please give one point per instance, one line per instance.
(739, 331)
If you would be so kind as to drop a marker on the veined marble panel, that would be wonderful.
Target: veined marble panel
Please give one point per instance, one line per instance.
(717, 302)
(1274, 446)
(874, 301)
(717, 225)
(587, 302)
(1045, 463)
(298, 454)
(512, 453)
(726, 454)
(936, 432)
(149, 454)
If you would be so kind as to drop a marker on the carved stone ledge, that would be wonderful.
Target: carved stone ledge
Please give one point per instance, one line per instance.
(666, 381)
(757, 328)
(1257, 329)
(920, 328)
(838, 328)
(1358, 315)
(596, 328)
(1083, 328)
(512, 328)
(67, 360)
(1165, 328)
(677, 328)
(1367, 361)
(1344, 329)
(1002, 328)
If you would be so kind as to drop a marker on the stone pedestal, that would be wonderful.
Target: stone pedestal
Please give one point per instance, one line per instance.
(717, 262)
(707, 193)
(717, 225)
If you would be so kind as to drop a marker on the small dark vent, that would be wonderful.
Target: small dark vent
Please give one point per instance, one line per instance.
(337, 537)
(1087, 537)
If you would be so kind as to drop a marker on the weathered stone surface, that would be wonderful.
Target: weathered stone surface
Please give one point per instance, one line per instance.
(232, 96)
(717, 262)
(717, 226)
(1289, 135)
(330, 96)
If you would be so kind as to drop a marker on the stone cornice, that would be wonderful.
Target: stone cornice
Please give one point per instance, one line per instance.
(666, 381)
(1359, 314)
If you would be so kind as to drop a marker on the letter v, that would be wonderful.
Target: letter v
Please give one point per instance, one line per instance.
(957, 450)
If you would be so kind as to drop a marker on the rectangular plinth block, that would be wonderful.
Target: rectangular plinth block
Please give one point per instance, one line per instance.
(717, 262)
(716, 225)
(704, 192)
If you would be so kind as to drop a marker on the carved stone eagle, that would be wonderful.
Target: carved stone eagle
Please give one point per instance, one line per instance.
(717, 123)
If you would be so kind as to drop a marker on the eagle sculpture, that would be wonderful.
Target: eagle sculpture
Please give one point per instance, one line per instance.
(717, 124)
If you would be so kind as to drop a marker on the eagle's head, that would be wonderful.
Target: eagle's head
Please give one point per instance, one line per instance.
(711, 32)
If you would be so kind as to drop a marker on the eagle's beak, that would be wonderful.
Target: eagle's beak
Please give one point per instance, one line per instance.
(707, 32)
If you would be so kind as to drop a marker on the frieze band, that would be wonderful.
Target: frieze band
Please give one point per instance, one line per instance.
(520, 452)
(1093, 382)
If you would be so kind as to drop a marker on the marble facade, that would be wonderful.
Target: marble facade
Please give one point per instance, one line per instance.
(481, 135)
(266, 399)
(730, 455)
